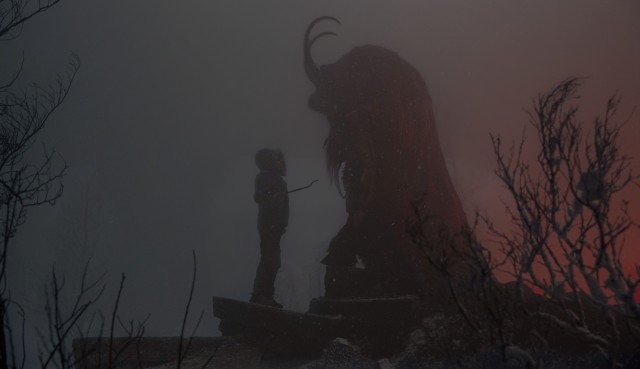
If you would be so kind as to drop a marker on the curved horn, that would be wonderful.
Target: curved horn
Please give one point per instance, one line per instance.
(309, 65)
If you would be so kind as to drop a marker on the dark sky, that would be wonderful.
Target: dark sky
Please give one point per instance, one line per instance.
(174, 98)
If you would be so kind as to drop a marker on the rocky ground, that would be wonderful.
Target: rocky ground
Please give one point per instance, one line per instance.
(438, 343)
(400, 333)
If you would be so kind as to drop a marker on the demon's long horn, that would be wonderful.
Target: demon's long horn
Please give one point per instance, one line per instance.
(309, 66)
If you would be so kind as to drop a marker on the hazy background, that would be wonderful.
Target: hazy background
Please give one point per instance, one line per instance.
(174, 97)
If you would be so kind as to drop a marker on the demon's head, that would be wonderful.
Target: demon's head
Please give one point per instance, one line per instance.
(371, 92)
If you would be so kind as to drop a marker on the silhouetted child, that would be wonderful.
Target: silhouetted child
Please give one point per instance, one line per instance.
(273, 218)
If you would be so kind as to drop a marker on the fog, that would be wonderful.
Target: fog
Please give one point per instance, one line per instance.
(174, 98)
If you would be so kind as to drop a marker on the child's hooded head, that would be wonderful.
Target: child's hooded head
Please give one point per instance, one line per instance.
(271, 160)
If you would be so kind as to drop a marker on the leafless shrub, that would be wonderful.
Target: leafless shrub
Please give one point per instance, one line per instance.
(564, 251)
(62, 321)
(24, 182)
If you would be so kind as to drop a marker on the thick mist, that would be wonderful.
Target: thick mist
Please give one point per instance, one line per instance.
(174, 98)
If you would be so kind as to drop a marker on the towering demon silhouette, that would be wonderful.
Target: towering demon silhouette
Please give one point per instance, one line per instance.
(383, 150)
